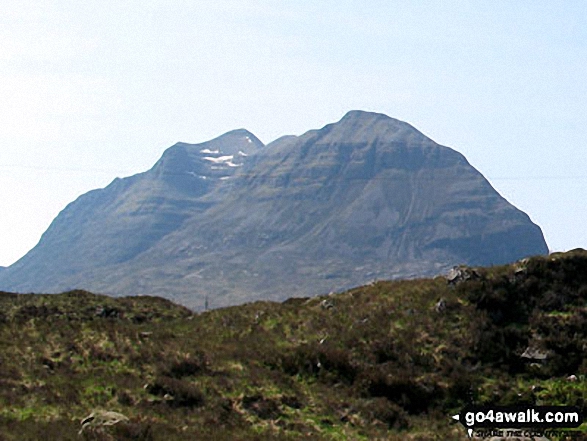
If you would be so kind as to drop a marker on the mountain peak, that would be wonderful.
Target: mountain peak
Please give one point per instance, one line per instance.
(367, 197)
(363, 117)
(237, 132)
(239, 140)
(358, 126)
(354, 115)
(230, 143)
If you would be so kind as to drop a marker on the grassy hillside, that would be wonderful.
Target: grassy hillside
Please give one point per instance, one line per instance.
(391, 360)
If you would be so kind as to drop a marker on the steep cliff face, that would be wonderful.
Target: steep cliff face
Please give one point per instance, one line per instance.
(113, 225)
(373, 185)
(367, 197)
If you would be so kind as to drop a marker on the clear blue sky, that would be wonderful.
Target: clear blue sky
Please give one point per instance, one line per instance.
(93, 90)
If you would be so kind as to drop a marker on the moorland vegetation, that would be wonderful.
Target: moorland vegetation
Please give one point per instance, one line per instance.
(391, 360)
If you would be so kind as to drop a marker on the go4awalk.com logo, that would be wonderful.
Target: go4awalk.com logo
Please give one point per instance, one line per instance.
(538, 418)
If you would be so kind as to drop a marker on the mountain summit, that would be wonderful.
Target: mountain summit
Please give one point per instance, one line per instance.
(368, 197)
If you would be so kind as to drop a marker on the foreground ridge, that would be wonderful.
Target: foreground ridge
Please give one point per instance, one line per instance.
(390, 360)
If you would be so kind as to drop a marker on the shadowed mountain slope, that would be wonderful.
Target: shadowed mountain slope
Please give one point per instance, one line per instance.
(368, 197)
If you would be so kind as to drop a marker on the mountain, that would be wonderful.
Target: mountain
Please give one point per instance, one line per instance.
(231, 220)
(382, 361)
(110, 226)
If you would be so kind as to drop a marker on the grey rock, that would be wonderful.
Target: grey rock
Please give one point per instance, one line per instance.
(100, 418)
(534, 353)
(460, 274)
(326, 304)
(440, 306)
(366, 198)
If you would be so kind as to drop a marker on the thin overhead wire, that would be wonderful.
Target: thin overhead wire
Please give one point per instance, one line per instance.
(128, 173)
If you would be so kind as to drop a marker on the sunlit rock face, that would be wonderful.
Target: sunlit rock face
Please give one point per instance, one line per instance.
(232, 220)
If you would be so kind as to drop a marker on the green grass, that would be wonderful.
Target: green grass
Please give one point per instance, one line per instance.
(375, 362)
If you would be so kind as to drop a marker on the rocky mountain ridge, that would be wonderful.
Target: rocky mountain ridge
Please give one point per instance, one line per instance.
(232, 220)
